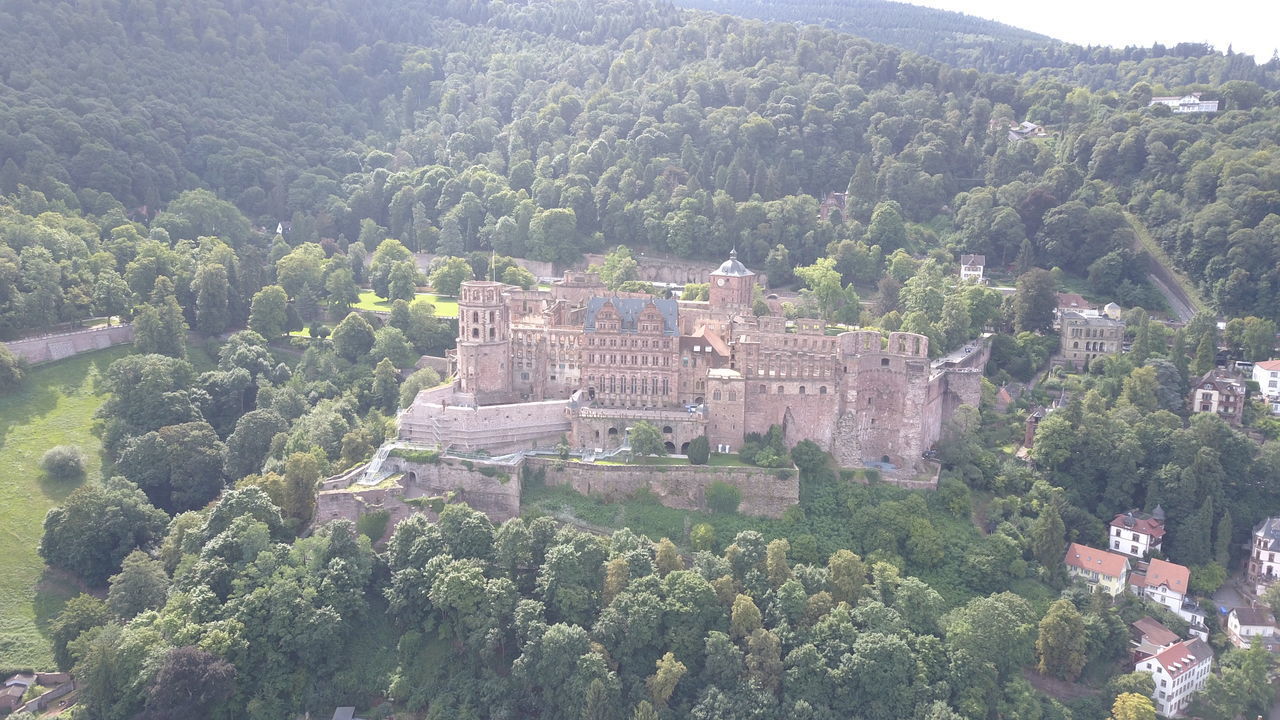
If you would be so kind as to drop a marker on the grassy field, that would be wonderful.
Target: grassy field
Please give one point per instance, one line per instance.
(54, 407)
(446, 306)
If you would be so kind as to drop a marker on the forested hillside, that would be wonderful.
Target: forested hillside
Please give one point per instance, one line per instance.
(218, 165)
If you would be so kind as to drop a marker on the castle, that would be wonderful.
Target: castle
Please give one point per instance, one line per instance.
(578, 361)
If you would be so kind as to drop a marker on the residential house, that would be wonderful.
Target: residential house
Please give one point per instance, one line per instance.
(833, 204)
(1264, 555)
(1112, 311)
(1190, 103)
(1166, 583)
(972, 267)
(1025, 131)
(1246, 625)
(1178, 672)
(1086, 336)
(1149, 636)
(1219, 393)
(1267, 375)
(1136, 533)
(1103, 570)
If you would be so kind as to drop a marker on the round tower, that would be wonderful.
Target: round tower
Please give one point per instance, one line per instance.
(731, 285)
(484, 342)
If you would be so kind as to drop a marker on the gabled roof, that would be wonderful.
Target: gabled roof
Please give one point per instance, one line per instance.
(629, 310)
(1171, 575)
(1099, 561)
(1257, 617)
(1268, 365)
(1139, 522)
(1182, 657)
(1154, 632)
(1268, 529)
(973, 260)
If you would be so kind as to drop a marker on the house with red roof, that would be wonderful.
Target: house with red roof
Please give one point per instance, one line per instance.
(1136, 533)
(1168, 584)
(1267, 375)
(1103, 570)
(1178, 672)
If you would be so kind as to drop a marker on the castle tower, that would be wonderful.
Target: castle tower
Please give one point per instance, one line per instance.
(731, 286)
(484, 342)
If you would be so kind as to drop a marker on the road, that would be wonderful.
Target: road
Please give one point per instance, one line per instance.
(1177, 304)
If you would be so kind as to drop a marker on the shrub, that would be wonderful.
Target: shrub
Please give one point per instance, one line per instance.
(63, 462)
(699, 451)
(373, 525)
(722, 497)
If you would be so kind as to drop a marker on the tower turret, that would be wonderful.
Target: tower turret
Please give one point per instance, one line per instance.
(731, 285)
(484, 342)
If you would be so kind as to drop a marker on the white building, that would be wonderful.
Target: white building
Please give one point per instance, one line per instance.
(972, 267)
(1186, 103)
(1179, 672)
(1166, 583)
(1264, 555)
(1267, 375)
(1136, 533)
(1245, 624)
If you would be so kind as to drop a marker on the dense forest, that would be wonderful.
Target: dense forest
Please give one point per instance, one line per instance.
(245, 170)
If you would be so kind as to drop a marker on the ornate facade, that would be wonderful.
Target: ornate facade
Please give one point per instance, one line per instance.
(578, 360)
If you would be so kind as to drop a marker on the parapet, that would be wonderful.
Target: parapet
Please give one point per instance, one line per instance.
(859, 342)
(910, 344)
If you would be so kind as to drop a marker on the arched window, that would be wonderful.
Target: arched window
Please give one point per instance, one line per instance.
(666, 429)
(822, 389)
(475, 316)
(801, 389)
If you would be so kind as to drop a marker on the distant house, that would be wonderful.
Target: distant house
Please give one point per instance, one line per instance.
(1267, 375)
(1149, 636)
(1246, 625)
(1103, 570)
(1264, 555)
(1219, 393)
(1178, 672)
(345, 713)
(1190, 103)
(972, 266)
(1167, 583)
(1025, 131)
(1072, 301)
(1112, 310)
(1136, 533)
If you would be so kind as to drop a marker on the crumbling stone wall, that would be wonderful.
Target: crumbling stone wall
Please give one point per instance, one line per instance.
(765, 492)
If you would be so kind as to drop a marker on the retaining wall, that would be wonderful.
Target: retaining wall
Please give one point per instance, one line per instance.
(682, 487)
(48, 348)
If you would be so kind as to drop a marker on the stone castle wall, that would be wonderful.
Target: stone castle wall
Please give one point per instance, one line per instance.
(435, 421)
(56, 347)
(764, 493)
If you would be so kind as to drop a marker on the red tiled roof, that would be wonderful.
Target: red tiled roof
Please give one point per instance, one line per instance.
(1269, 365)
(1172, 575)
(1183, 656)
(1072, 301)
(1155, 633)
(1254, 617)
(1100, 561)
(1142, 523)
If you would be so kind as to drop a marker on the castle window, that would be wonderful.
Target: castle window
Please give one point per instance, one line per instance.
(490, 316)
(475, 332)
(801, 389)
(491, 336)
(475, 316)
(715, 395)
(733, 396)
(822, 390)
(780, 390)
(884, 362)
(764, 390)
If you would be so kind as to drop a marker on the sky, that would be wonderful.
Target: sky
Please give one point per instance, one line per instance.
(1250, 26)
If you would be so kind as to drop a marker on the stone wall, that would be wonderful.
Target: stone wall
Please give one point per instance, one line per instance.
(682, 487)
(56, 347)
(434, 420)
(491, 488)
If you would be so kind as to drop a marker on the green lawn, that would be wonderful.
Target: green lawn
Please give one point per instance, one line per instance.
(54, 407)
(446, 305)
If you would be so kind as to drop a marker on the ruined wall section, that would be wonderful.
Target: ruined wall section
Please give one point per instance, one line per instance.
(885, 392)
(765, 492)
(496, 429)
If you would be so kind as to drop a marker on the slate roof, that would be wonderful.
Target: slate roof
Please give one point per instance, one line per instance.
(973, 260)
(1268, 529)
(629, 310)
(1100, 561)
(1258, 617)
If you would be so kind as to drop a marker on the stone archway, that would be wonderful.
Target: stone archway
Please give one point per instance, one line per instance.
(670, 446)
